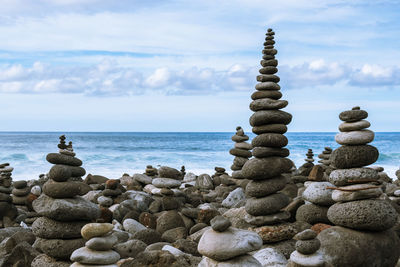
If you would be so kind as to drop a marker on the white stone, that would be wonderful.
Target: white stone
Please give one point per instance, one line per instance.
(142, 178)
(226, 245)
(132, 226)
(113, 207)
(174, 251)
(318, 193)
(234, 198)
(36, 190)
(156, 191)
(361, 191)
(105, 201)
(241, 261)
(166, 182)
(397, 193)
(314, 260)
(148, 188)
(361, 137)
(88, 256)
(204, 181)
(269, 257)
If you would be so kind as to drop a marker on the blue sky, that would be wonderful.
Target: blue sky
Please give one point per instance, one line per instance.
(90, 65)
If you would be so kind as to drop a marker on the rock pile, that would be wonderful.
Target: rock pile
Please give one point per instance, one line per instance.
(8, 211)
(264, 202)
(63, 211)
(325, 161)
(223, 245)
(358, 204)
(98, 247)
(306, 168)
(241, 151)
(110, 193)
(306, 253)
(150, 171)
(20, 193)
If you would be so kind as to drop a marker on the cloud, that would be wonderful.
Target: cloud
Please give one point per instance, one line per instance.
(109, 78)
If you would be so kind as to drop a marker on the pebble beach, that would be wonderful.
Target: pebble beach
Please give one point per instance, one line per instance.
(262, 198)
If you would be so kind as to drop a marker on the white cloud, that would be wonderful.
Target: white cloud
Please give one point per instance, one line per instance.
(110, 78)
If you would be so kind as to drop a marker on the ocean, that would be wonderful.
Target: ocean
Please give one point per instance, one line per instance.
(113, 154)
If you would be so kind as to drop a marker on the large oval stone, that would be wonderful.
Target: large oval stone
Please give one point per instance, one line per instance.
(265, 168)
(263, 117)
(226, 245)
(61, 189)
(270, 128)
(266, 205)
(269, 140)
(57, 158)
(312, 214)
(267, 103)
(263, 152)
(71, 209)
(88, 256)
(353, 115)
(318, 193)
(361, 137)
(267, 86)
(240, 153)
(50, 229)
(370, 214)
(58, 248)
(346, 247)
(261, 188)
(268, 78)
(91, 230)
(346, 157)
(266, 94)
(353, 176)
(354, 126)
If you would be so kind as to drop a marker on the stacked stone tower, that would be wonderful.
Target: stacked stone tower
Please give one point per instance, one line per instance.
(361, 216)
(306, 168)
(241, 151)
(63, 211)
(264, 202)
(8, 211)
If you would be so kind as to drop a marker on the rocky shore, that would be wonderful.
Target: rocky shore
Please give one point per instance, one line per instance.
(339, 212)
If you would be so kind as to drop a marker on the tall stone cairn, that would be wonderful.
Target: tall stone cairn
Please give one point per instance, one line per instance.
(241, 151)
(8, 211)
(361, 213)
(264, 203)
(63, 211)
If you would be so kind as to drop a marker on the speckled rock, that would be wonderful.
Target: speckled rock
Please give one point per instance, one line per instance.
(312, 214)
(346, 157)
(318, 193)
(370, 214)
(266, 205)
(260, 188)
(265, 168)
(351, 176)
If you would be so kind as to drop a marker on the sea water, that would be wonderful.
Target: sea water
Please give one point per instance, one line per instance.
(113, 154)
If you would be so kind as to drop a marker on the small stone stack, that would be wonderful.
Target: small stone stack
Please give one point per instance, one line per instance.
(241, 151)
(398, 174)
(325, 162)
(359, 214)
(150, 171)
(223, 245)
(306, 168)
(20, 193)
(306, 253)
(264, 202)
(110, 193)
(98, 247)
(8, 211)
(358, 207)
(63, 211)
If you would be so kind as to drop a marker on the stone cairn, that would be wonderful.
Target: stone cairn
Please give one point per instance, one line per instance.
(8, 211)
(20, 193)
(325, 157)
(306, 168)
(63, 211)
(264, 202)
(359, 206)
(150, 171)
(306, 253)
(110, 193)
(241, 151)
(228, 246)
(98, 247)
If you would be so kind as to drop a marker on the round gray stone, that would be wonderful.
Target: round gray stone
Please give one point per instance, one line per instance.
(266, 205)
(264, 152)
(267, 103)
(354, 126)
(263, 117)
(261, 188)
(346, 157)
(269, 140)
(360, 137)
(266, 168)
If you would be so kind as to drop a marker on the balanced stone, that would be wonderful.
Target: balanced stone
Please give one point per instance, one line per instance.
(263, 117)
(319, 193)
(346, 157)
(270, 128)
(356, 192)
(267, 86)
(308, 246)
(266, 205)
(267, 103)
(370, 214)
(166, 182)
(352, 176)
(61, 189)
(50, 229)
(87, 256)
(102, 243)
(353, 115)
(266, 94)
(91, 230)
(266, 168)
(360, 137)
(56, 158)
(354, 126)
(220, 223)
(270, 140)
(260, 188)
(264, 152)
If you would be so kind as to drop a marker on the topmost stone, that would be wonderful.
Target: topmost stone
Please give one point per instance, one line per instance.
(356, 114)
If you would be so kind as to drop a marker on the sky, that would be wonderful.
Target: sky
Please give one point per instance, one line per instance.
(129, 65)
